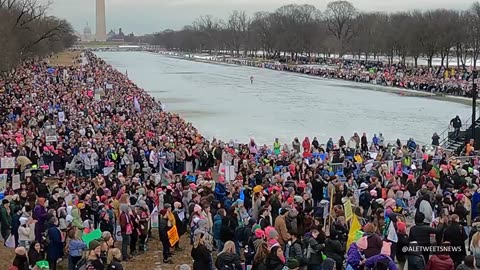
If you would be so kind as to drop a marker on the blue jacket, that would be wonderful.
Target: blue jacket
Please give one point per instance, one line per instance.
(217, 226)
(227, 203)
(76, 247)
(372, 261)
(55, 247)
(401, 203)
(475, 201)
(354, 257)
(220, 192)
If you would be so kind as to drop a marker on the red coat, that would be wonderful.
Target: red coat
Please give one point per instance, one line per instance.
(440, 262)
(306, 144)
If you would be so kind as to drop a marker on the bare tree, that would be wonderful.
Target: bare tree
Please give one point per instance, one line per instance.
(473, 22)
(340, 16)
(27, 32)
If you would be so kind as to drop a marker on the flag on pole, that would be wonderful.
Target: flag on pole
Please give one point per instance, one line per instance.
(392, 234)
(136, 104)
(355, 231)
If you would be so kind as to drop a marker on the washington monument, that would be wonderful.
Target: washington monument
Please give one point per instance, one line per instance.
(101, 34)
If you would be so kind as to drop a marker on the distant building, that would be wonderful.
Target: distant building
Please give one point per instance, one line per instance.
(110, 34)
(114, 37)
(87, 33)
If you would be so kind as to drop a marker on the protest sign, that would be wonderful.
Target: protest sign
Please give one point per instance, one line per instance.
(154, 217)
(50, 133)
(16, 182)
(173, 236)
(7, 162)
(94, 235)
(348, 210)
(61, 116)
(3, 184)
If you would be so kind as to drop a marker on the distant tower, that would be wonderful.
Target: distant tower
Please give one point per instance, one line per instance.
(101, 25)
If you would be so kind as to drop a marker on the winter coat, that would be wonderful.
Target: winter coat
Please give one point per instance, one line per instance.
(415, 261)
(77, 220)
(25, 233)
(374, 246)
(296, 252)
(372, 261)
(281, 228)
(220, 192)
(440, 262)
(55, 246)
(402, 242)
(262, 265)
(76, 247)
(316, 257)
(115, 265)
(21, 262)
(426, 208)
(455, 234)
(421, 233)
(217, 226)
(274, 263)
(354, 256)
(463, 267)
(40, 214)
(201, 258)
(228, 259)
(335, 250)
(163, 229)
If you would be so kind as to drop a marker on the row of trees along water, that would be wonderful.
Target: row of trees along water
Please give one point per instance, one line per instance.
(28, 32)
(303, 30)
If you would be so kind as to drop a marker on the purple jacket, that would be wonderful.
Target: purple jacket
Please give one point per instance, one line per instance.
(40, 214)
(354, 257)
(372, 261)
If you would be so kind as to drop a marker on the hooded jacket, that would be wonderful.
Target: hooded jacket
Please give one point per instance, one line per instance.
(440, 262)
(228, 259)
(372, 261)
(354, 256)
(316, 257)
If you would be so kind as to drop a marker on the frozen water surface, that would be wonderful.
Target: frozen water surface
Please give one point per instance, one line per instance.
(220, 101)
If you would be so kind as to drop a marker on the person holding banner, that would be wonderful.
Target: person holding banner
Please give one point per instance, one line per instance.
(163, 228)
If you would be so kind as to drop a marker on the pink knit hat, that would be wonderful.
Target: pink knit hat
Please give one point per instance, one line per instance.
(259, 234)
(386, 249)
(362, 243)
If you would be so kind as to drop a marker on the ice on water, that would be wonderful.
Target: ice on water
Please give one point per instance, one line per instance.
(220, 101)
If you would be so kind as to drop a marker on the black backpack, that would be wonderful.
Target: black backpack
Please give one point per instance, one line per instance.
(83, 264)
(381, 264)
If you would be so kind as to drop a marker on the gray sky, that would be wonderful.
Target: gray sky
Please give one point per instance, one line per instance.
(147, 16)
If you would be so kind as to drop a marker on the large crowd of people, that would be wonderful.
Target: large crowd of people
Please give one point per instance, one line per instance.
(455, 81)
(95, 154)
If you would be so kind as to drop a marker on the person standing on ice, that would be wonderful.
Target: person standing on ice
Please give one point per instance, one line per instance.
(251, 79)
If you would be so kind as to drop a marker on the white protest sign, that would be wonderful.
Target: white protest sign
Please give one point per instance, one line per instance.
(7, 162)
(154, 217)
(16, 182)
(61, 116)
(50, 133)
(107, 170)
(3, 184)
(118, 233)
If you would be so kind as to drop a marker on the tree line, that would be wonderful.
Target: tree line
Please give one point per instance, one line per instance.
(300, 31)
(27, 32)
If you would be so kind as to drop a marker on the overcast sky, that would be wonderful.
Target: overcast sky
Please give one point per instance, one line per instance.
(147, 16)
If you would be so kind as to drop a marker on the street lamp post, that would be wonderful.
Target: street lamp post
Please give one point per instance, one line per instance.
(474, 103)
